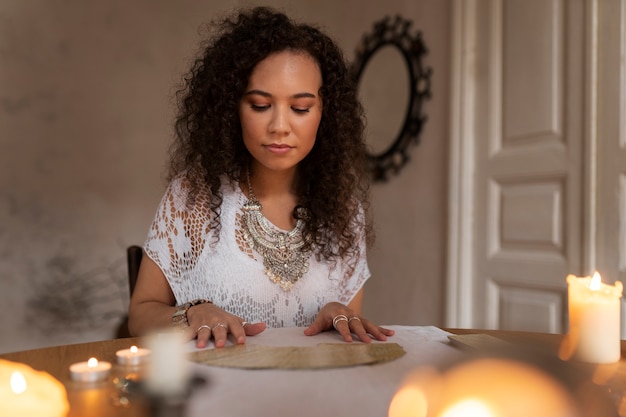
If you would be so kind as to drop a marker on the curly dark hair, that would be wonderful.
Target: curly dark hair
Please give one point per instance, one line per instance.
(208, 139)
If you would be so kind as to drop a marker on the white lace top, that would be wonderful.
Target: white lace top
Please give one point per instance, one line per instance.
(230, 273)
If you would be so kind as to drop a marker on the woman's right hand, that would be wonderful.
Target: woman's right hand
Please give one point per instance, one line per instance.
(208, 321)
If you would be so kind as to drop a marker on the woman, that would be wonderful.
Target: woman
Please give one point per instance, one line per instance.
(263, 222)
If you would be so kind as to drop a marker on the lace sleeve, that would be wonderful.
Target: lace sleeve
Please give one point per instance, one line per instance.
(178, 233)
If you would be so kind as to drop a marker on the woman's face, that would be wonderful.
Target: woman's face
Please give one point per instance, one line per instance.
(281, 110)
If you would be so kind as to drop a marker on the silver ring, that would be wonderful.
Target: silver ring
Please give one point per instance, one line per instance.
(220, 324)
(204, 326)
(353, 318)
(338, 318)
(244, 323)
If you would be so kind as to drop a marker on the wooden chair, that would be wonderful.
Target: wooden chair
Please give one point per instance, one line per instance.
(133, 258)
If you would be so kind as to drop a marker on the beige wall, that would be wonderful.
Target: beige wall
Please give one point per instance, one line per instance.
(85, 119)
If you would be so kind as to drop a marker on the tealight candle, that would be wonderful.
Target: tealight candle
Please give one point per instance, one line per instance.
(132, 356)
(90, 371)
(594, 320)
(25, 391)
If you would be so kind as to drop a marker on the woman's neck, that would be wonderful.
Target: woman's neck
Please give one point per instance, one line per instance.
(268, 184)
(276, 191)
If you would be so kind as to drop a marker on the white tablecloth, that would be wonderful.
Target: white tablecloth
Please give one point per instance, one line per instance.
(361, 391)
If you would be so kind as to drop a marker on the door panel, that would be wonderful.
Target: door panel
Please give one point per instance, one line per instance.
(532, 70)
(517, 231)
(541, 309)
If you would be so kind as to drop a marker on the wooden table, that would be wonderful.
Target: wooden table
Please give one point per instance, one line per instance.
(549, 340)
(611, 376)
(99, 400)
(96, 399)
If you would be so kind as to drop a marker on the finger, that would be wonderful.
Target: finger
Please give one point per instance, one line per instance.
(344, 331)
(340, 323)
(378, 333)
(318, 326)
(238, 331)
(220, 334)
(243, 329)
(357, 328)
(203, 334)
(387, 332)
(252, 329)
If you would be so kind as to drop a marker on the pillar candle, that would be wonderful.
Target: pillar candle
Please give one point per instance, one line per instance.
(168, 369)
(594, 320)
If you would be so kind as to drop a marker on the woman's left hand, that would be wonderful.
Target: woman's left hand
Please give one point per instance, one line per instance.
(346, 322)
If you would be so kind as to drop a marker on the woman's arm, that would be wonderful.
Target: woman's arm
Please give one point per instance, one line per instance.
(356, 305)
(153, 304)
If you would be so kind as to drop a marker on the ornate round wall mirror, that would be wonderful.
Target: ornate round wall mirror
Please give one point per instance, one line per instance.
(392, 85)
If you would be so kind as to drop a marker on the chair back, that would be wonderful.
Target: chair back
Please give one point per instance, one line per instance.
(133, 255)
(133, 259)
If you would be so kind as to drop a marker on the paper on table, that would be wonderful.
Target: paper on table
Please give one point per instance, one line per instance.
(325, 355)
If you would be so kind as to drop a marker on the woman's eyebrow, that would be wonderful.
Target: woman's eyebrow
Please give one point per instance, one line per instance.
(266, 94)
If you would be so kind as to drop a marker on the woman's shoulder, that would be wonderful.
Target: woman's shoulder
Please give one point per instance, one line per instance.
(185, 190)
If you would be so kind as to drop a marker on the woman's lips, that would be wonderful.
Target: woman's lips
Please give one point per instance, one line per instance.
(279, 149)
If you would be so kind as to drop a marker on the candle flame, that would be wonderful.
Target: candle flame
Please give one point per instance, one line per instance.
(468, 407)
(92, 362)
(133, 349)
(18, 382)
(596, 282)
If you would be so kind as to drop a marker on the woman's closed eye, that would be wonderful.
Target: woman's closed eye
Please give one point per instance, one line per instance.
(263, 107)
(259, 107)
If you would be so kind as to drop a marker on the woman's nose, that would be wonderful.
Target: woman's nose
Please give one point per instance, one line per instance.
(280, 121)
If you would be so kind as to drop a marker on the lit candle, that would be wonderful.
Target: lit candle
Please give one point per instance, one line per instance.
(90, 371)
(168, 370)
(27, 392)
(132, 356)
(482, 387)
(594, 320)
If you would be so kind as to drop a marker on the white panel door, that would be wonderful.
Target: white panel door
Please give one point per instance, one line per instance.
(521, 107)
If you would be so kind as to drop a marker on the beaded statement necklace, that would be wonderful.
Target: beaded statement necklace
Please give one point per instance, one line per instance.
(284, 259)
